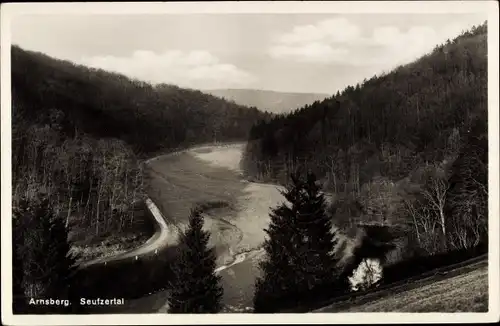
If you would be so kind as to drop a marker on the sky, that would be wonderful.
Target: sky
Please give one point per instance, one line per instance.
(309, 53)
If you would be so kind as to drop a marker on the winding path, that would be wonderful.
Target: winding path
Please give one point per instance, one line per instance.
(159, 239)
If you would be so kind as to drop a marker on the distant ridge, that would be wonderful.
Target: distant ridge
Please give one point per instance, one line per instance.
(272, 101)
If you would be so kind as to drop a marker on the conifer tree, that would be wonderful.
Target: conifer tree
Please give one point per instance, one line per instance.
(18, 295)
(299, 247)
(48, 264)
(196, 287)
(19, 299)
(277, 280)
(316, 240)
(63, 263)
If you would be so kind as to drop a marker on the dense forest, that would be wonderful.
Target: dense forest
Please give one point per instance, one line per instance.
(406, 148)
(78, 135)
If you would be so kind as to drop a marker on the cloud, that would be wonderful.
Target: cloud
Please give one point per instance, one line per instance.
(339, 41)
(310, 52)
(194, 69)
(330, 30)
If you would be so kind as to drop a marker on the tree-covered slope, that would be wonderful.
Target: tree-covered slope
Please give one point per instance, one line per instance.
(386, 124)
(105, 104)
(397, 148)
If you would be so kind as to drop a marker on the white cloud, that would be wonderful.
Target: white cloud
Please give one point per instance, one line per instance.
(194, 69)
(343, 42)
(310, 52)
(330, 31)
(385, 35)
(340, 30)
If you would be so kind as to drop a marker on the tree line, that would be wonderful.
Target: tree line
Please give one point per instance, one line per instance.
(97, 180)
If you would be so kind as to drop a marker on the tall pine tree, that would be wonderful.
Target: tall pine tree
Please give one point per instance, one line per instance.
(299, 248)
(315, 238)
(278, 277)
(196, 287)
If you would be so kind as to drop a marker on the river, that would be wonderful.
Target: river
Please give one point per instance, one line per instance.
(211, 174)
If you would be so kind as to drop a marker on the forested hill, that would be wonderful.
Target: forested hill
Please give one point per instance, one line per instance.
(105, 104)
(78, 134)
(412, 112)
(374, 136)
(275, 102)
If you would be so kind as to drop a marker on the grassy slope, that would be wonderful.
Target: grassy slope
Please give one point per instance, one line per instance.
(464, 293)
(464, 289)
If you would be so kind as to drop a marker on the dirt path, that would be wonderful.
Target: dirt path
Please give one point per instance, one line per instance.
(164, 235)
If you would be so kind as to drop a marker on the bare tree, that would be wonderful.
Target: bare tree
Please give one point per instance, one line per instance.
(434, 192)
(330, 162)
(425, 224)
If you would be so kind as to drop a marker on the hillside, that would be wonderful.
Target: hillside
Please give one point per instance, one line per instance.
(451, 289)
(79, 133)
(408, 147)
(271, 101)
(463, 293)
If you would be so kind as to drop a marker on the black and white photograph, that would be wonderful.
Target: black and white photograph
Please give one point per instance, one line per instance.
(232, 162)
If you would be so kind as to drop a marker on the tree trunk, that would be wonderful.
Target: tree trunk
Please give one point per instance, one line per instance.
(86, 209)
(69, 210)
(443, 228)
(441, 216)
(335, 183)
(98, 210)
(136, 185)
(417, 232)
(113, 193)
